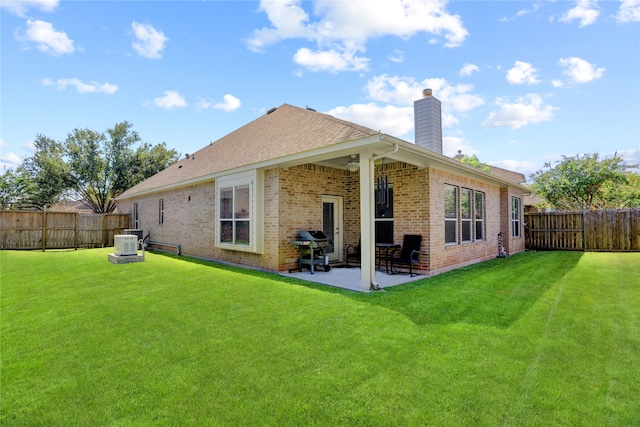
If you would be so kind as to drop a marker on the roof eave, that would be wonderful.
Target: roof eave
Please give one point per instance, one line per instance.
(378, 144)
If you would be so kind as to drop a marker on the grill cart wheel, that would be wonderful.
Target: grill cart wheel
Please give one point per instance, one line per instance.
(327, 267)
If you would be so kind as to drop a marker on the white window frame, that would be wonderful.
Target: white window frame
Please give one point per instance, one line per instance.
(469, 193)
(136, 216)
(452, 219)
(253, 180)
(515, 217)
(479, 215)
(161, 211)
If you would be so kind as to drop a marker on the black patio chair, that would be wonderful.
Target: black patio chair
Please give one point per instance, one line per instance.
(408, 255)
(353, 252)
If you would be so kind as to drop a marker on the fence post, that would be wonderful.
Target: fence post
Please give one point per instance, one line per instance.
(75, 233)
(44, 231)
(104, 230)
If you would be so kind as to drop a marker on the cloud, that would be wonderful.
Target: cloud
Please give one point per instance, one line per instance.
(579, 70)
(468, 69)
(527, 110)
(452, 144)
(29, 145)
(397, 56)
(585, 11)
(341, 29)
(20, 7)
(10, 159)
(404, 90)
(523, 12)
(525, 167)
(631, 156)
(230, 103)
(47, 38)
(629, 11)
(330, 60)
(81, 87)
(399, 93)
(521, 73)
(389, 119)
(171, 99)
(148, 42)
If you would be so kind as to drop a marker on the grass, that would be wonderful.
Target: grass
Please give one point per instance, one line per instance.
(536, 339)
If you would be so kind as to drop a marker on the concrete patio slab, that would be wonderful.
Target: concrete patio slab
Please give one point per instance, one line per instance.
(349, 278)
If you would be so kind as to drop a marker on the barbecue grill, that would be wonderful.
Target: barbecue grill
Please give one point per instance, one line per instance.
(311, 245)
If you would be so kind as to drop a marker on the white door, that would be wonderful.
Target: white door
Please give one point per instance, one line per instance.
(332, 226)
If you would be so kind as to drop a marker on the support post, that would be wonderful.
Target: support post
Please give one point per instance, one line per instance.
(367, 226)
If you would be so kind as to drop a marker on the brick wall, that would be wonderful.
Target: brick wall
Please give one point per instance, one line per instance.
(300, 195)
(293, 201)
(511, 244)
(447, 257)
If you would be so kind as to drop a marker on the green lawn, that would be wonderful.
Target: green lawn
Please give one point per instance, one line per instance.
(540, 339)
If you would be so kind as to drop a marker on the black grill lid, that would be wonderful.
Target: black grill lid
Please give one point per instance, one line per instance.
(313, 235)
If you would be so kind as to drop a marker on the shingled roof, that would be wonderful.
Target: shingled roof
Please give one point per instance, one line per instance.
(284, 131)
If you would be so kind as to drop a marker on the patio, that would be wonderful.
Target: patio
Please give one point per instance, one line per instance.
(349, 278)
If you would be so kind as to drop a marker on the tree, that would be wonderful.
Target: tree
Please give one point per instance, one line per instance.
(103, 166)
(16, 188)
(90, 166)
(475, 162)
(623, 195)
(583, 182)
(148, 160)
(48, 172)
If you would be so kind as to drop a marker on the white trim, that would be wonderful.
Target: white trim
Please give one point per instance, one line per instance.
(338, 241)
(254, 180)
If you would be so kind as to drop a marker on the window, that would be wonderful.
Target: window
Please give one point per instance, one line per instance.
(136, 220)
(235, 215)
(384, 219)
(239, 217)
(479, 211)
(465, 214)
(515, 217)
(161, 211)
(450, 214)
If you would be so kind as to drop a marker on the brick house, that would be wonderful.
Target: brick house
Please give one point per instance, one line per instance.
(243, 198)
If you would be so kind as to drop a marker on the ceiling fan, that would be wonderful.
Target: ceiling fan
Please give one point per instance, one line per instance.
(353, 165)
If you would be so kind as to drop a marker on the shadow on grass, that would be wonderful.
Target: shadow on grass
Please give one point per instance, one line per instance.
(494, 293)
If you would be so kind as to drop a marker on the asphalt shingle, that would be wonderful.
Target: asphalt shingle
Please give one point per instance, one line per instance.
(286, 130)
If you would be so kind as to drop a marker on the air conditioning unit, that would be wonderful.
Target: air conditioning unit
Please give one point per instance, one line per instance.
(134, 231)
(125, 244)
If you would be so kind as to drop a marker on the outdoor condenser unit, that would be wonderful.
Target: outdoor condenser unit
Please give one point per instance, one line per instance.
(134, 231)
(125, 244)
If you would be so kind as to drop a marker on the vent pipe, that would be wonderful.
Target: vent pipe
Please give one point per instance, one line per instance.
(427, 118)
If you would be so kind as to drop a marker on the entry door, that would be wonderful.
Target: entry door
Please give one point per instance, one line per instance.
(332, 226)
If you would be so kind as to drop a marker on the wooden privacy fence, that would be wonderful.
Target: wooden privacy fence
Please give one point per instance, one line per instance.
(601, 230)
(59, 230)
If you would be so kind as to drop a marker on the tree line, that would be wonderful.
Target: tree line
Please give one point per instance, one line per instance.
(582, 182)
(88, 166)
(588, 182)
(95, 168)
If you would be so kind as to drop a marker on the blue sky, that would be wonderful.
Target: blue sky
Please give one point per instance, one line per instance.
(521, 82)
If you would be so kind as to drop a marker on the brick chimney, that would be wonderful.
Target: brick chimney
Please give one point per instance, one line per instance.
(428, 122)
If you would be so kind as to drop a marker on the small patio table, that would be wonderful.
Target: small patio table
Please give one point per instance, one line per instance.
(385, 249)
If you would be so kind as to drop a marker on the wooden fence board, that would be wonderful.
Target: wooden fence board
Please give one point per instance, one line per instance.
(602, 230)
(59, 230)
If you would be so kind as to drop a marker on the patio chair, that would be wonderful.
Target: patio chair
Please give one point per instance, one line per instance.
(353, 252)
(408, 255)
